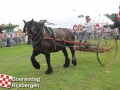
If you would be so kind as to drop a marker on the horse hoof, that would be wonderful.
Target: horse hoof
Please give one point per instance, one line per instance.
(37, 66)
(74, 63)
(49, 72)
(66, 65)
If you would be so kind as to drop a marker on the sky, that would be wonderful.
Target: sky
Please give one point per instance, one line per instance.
(15, 11)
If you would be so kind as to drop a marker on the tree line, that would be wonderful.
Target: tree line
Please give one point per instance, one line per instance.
(112, 16)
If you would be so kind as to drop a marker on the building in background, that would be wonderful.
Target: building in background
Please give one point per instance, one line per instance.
(8, 27)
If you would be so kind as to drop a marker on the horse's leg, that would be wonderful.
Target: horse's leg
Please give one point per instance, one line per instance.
(33, 60)
(49, 68)
(67, 61)
(74, 62)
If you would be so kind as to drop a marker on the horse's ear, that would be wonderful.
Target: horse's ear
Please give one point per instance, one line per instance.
(32, 21)
(24, 31)
(24, 21)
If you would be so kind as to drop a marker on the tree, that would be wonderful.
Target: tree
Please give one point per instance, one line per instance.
(112, 16)
(80, 16)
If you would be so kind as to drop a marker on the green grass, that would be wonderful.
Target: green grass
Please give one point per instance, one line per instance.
(87, 75)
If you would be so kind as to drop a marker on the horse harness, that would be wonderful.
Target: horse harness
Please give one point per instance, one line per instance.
(52, 35)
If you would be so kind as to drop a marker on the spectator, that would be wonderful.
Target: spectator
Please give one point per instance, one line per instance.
(4, 39)
(75, 29)
(97, 31)
(0, 30)
(0, 40)
(116, 32)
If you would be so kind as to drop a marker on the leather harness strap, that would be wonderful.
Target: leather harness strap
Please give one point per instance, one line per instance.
(52, 35)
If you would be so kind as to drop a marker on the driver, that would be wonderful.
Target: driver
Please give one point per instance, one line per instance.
(87, 29)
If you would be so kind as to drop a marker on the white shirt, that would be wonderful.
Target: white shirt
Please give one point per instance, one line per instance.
(88, 26)
(8, 35)
(116, 31)
(13, 35)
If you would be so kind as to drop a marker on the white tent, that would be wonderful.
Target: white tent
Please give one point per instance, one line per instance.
(69, 22)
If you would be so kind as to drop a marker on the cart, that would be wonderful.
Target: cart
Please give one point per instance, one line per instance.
(105, 47)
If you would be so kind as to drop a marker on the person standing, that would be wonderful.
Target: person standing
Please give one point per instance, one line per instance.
(87, 29)
(0, 30)
(116, 32)
(97, 31)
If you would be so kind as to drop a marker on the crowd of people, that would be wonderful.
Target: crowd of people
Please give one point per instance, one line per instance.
(11, 39)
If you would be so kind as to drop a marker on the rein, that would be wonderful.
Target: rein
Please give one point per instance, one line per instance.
(35, 42)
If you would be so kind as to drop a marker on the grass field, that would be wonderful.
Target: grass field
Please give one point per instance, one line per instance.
(87, 75)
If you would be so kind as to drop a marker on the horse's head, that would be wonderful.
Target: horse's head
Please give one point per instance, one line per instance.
(34, 30)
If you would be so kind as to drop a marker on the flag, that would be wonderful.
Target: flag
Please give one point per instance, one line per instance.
(118, 14)
(5, 80)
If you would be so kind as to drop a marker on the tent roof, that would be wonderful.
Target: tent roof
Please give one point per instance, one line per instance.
(69, 22)
(3, 27)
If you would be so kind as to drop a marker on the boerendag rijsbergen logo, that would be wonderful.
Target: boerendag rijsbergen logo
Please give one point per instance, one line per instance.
(7, 81)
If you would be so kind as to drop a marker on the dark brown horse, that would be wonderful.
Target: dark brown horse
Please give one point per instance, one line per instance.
(37, 31)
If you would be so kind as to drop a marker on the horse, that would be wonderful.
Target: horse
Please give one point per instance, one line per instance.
(37, 31)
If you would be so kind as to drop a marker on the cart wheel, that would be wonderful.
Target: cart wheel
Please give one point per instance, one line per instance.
(107, 49)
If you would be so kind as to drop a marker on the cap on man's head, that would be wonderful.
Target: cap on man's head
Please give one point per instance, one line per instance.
(87, 16)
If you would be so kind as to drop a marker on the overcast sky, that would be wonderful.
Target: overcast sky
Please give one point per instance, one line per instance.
(14, 11)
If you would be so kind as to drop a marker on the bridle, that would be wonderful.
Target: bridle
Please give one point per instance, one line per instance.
(36, 34)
